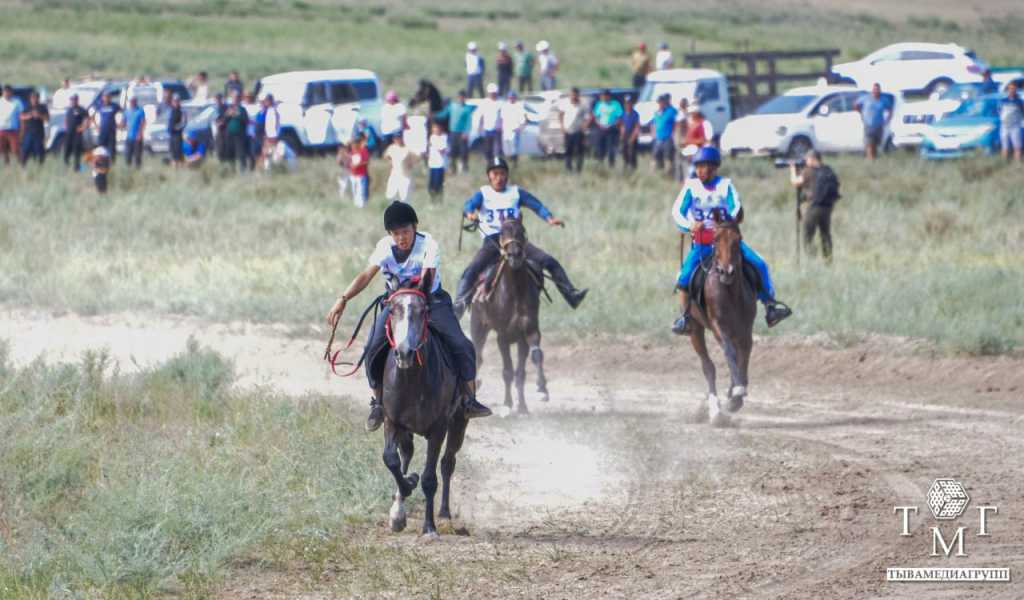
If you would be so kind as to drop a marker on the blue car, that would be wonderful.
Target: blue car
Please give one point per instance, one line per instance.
(970, 129)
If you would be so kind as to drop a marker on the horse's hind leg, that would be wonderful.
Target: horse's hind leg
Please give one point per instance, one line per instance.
(700, 346)
(506, 367)
(737, 357)
(429, 479)
(522, 350)
(394, 464)
(478, 331)
(537, 356)
(456, 433)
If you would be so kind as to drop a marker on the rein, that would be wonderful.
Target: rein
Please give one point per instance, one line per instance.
(426, 323)
(333, 358)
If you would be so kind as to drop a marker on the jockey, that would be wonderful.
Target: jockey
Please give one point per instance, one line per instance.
(405, 256)
(693, 213)
(491, 205)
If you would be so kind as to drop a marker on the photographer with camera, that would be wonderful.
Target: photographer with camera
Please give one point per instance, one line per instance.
(818, 191)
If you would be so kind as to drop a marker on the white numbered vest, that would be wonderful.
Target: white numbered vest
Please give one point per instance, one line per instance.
(497, 207)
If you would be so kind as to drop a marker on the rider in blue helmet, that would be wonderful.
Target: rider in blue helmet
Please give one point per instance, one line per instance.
(693, 213)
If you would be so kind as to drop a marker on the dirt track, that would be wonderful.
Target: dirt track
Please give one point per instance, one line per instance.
(612, 491)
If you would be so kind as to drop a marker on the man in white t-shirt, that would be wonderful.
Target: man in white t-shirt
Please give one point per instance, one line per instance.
(663, 59)
(437, 160)
(407, 258)
(271, 128)
(488, 121)
(574, 119)
(474, 71)
(513, 120)
(399, 182)
(547, 62)
(392, 117)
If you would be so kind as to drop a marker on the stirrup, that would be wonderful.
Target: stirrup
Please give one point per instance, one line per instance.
(776, 313)
(682, 325)
(376, 417)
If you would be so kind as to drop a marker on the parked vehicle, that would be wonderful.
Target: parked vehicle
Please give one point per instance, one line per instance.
(970, 129)
(913, 66)
(200, 121)
(706, 88)
(320, 109)
(89, 93)
(821, 117)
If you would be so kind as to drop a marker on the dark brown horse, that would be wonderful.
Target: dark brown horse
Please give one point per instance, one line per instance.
(511, 307)
(730, 305)
(419, 397)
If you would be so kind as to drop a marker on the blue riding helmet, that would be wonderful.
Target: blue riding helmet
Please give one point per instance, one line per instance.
(708, 154)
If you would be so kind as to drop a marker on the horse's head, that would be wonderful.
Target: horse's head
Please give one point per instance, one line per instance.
(728, 255)
(513, 242)
(407, 324)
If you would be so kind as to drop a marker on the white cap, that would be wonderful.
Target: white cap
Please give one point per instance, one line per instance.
(543, 45)
(502, 46)
(471, 46)
(492, 88)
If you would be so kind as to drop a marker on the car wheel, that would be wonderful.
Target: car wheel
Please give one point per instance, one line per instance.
(799, 147)
(57, 148)
(939, 86)
(289, 137)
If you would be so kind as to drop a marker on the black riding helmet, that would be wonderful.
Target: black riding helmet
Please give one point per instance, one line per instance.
(497, 163)
(399, 214)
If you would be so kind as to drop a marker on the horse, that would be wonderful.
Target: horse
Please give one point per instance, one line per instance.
(418, 397)
(729, 310)
(428, 92)
(511, 307)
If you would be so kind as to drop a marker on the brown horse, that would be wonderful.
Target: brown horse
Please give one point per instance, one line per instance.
(511, 307)
(730, 305)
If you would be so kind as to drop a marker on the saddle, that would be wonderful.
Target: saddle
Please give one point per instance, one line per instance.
(700, 275)
(489, 278)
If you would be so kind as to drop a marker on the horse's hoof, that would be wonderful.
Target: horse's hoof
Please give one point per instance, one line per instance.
(522, 412)
(712, 408)
(413, 479)
(445, 515)
(738, 390)
(397, 516)
(505, 411)
(430, 536)
(735, 403)
(701, 414)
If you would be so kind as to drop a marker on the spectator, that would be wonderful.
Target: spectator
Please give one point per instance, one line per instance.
(524, 67)
(875, 112)
(220, 124)
(10, 122)
(629, 132)
(1011, 118)
(641, 62)
(135, 126)
(819, 188)
(698, 133)
(101, 162)
(271, 125)
(358, 162)
(505, 67)
(392, 117)
(608, 116)
(399, 182)
(574, 123)
(488, 118)
(474, 71)
(163, 109)
(664, 123)
(663, 59)
(460, 122)
(176, 122)
(988, 86)
(681, 122)
(437, 159)
(106, 122)
(237, 122)
(548, 63)
(65, 84)
(233, 84)
(513, 120)
(75, 122)
(200, 87)
(192, 150)
(34, 118)
(253, 129)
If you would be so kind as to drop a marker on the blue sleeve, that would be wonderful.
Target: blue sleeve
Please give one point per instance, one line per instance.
(444, 112)
(531, 202)
(474, 203)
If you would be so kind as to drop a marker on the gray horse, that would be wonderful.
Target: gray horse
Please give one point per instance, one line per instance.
(510, 306)
(419, 397)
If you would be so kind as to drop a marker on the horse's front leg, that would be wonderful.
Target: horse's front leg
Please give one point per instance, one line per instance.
(478, 331)
(521, 350)
(456, 434)
(537, 356)
(405, 450)
(506, 366)
(708, 409)
(394, 464)
(738, 387)
(429, 481)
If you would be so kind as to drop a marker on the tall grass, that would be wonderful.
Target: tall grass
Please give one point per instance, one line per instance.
(117, 485)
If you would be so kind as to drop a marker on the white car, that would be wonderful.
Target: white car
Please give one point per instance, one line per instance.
(823, 118)
(702, 87)
(320, 109)
(913, 66)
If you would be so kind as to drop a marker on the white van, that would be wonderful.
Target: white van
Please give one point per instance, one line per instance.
(705, 87)
(320, 109)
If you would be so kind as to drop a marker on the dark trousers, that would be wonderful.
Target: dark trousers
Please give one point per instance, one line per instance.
(459, 151)
(73, 147)
(108, 140)
(629, 152)
(525, 83)
(639, 79)
(665, 150)
(133, 153)
(818, 218)
(475, 82)
(32, 146)
(492, 145)
(222, 145)
(177, 154)
(239, 145)
(436, 184)
(443, 324)
(489, 254)
(504, 84)
(101, 182)
(574, 149)
(607, 141)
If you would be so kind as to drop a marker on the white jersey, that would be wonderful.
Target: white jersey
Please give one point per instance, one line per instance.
(694, 206)
(497, 207)
(425, 254)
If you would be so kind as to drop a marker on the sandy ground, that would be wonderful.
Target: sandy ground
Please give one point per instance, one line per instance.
(612, 490)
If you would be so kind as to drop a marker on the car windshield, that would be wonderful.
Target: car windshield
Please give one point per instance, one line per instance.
(288, 93)
(961, 91)
(62, 97)
(784, 105)
(986, 107)
(676, 89)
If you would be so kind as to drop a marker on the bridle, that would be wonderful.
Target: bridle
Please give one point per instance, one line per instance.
(426, 321)
(374, 306)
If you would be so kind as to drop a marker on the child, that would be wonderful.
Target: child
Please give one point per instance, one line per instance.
(358, 167)
(100, 160)
(399, 182)
(437, 160)
(344, 160)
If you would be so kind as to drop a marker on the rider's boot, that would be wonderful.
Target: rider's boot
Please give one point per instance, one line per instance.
(573, 297)
(775, 311)
(681, 326)
(472, 408)
(376, 416)
(462, 294)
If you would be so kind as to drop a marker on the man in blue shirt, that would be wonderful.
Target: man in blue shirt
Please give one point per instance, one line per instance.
(664, 124)
(135, 125)
(875, 111)
(460, 120)
(607, 115)
(629, 132)
(106, 121)
(193, 150)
